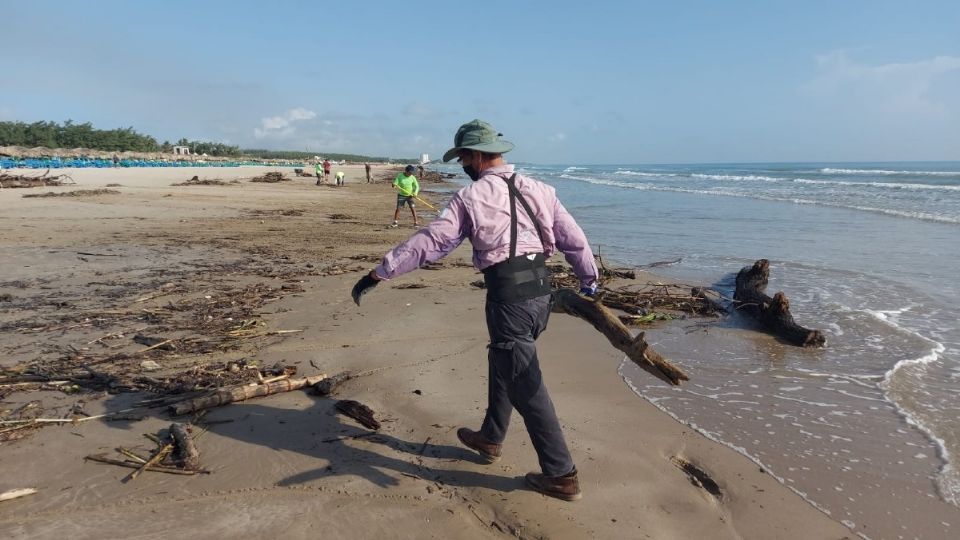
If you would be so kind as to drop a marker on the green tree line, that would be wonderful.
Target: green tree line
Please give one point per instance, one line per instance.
(293, 154)
(73, 135)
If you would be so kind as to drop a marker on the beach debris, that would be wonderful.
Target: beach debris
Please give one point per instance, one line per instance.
(773, 314)
(649, 318)
(184, 450)
(697, 476)
(28, 181)
(224, 396)
(635, 347)
(639, 299)
(75, 193)
(196, 181)
(330, 384)
(176, 453)
(16, 493)
(270, 178)
(149, 365)
(359, 412)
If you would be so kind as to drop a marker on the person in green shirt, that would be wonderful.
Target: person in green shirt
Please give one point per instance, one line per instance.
(407, 189)
(319, 171)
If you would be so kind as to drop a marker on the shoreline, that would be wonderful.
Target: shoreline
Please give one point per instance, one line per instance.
(412, 479)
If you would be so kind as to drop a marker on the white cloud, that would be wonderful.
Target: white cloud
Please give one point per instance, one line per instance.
(893, 87)
(558, 137)
(282, 126)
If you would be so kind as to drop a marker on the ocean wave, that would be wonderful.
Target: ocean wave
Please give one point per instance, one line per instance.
(924, 216)
(645, 174)
(830, 170)
(889, 185)
(737, 178)
(571, 169)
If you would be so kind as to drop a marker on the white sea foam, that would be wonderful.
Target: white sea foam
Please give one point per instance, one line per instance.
(948, 481)
(829, 170)
(926, 216)
(715, 438)
(888, 185)
(647, 174)
(737, 178)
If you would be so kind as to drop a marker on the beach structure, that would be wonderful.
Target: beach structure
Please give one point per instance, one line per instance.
(181, 150)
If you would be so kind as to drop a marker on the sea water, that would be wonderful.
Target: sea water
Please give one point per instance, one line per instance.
(867, 428)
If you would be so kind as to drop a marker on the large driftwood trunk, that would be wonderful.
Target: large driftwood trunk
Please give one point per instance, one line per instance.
(184, 450)
(772, 313)
(636, 348)
(240, 393)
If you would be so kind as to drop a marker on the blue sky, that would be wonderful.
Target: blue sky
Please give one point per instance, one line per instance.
(568, 82)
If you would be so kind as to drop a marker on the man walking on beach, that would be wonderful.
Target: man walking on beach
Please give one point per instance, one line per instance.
(366, 167)
(319, 171)
(326, 170)
(514, 224)
(407, 189)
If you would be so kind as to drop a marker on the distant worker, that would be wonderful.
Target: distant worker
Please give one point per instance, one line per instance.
(340, 176)
(366, 166)
(407, 189)
(116, 160)
(319, 171)
(420, 172)
(326, 170)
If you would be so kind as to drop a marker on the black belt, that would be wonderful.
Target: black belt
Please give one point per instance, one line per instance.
(517, 279)
(520, 277)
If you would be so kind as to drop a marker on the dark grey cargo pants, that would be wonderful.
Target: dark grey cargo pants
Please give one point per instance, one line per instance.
(515, 382)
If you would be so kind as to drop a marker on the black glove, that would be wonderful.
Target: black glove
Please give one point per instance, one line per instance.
(365, 285)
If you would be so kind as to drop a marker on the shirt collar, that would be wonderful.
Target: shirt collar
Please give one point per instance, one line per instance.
(500, 169)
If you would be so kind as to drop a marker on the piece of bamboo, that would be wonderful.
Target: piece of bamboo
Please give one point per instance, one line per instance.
(155, 459)
(16, 494)
(241, 393)
(153, 468)
(635, 347)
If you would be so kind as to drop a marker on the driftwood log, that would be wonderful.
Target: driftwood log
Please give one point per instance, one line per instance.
(240, 393)
(772, 313)
(359, 412)
(330, 384)
(184, 450)
(635, 347)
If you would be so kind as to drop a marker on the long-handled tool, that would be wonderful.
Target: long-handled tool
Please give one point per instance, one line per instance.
(405, 194)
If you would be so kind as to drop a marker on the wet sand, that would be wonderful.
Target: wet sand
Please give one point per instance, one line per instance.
(287, 465)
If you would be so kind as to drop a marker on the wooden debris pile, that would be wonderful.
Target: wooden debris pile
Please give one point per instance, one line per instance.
(646, 303)
(8, 180)
(75, 193)
(270, 178)
(196, 181)
(175, 453)
(286, 212)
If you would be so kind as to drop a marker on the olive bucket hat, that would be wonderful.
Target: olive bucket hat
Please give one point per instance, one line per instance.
(478, 135)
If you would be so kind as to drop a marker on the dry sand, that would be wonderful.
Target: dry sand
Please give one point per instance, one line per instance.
(68, 261)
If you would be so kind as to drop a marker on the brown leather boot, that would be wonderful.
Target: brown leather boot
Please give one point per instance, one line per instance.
(471, 439)
(566, 487)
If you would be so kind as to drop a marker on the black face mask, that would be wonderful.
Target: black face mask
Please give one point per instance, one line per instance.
(471, 172)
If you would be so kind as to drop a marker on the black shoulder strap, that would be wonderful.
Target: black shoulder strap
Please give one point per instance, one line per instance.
(514, 195)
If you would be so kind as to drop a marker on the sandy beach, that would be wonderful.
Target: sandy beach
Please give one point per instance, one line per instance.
(80, 276)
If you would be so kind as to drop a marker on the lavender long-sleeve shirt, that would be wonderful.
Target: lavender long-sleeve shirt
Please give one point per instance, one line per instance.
(481, 212)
